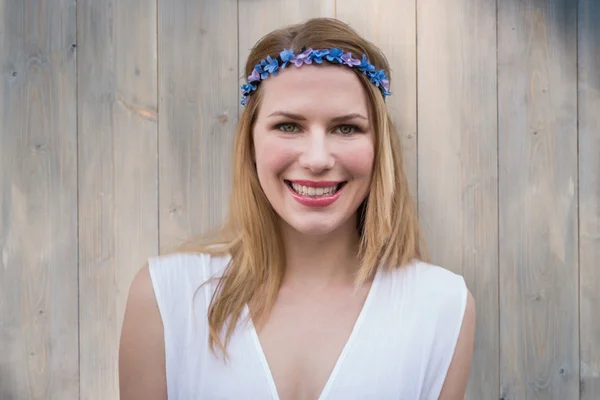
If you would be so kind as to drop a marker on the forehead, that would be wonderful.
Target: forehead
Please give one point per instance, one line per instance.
(323, 89)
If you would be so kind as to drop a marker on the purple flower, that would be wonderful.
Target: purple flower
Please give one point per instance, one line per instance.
(386, 86)
(254, 77)
(318, 55)
(303, 58)
(286, 56)
(335, 55)
(349, 61)
(272, 65)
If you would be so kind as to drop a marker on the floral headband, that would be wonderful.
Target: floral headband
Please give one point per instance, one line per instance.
(270, 66)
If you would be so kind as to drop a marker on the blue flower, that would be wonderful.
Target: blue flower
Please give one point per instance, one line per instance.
(272, 66)
(248, 88)
(286, 56)
(260, 69)
(377, 77)
(335, 55)
(365, 66)
(318, 55)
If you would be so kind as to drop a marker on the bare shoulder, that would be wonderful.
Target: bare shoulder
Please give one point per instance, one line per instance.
(455, 385)
(142, 349)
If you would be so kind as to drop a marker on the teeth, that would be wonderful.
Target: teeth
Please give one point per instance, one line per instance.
(312, 191)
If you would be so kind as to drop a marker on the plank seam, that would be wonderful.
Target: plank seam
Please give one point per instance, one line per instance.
(157, 128)
(77, 237)
(577, 34)
(500, 394)
(417, 202)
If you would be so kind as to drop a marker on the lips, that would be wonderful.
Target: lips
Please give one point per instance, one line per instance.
(315, 194)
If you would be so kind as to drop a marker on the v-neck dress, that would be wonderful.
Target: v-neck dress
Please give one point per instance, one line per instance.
(400, 347)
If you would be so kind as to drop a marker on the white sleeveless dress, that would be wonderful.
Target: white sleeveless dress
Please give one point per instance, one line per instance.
(400, 347)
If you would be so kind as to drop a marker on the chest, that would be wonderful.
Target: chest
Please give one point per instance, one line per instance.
(304, 338)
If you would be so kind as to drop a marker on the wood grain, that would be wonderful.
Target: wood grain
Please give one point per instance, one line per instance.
(38, 201)
(118, 193)
(589, 196)
(391, 26)
(84, 161)
(537, 91)
(198, 85)
(457, 164)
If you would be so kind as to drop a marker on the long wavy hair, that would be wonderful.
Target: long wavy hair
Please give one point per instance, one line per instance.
(387, 222)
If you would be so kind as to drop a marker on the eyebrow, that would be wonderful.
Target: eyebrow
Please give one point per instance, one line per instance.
(299, 117)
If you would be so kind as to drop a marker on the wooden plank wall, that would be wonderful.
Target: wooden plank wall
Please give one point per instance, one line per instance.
(117, 136)
(38, 201)
(537, 160)
(198, 98)
(589, 196)
(457, 160)
(116, 126)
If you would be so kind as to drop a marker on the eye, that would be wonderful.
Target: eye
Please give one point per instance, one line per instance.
(287, 127)
(348, 129)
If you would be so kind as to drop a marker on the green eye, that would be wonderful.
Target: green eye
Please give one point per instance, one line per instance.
(289, 128)
(347, 129)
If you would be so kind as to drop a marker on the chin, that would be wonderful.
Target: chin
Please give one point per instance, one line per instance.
(313, 226)
(313, 229)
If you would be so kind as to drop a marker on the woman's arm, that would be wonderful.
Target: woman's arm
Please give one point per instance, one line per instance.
(455, 385)
(142, 347)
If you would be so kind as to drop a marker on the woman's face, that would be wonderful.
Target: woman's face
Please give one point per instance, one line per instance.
(314, 147)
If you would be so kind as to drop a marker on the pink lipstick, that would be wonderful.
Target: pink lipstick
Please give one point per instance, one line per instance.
(315, 193)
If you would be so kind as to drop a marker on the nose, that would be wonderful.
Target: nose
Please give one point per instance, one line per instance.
(316, 155)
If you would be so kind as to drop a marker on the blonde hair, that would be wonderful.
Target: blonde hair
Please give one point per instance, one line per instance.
(387, 221)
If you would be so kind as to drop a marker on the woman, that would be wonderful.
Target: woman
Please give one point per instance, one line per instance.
(316, 288)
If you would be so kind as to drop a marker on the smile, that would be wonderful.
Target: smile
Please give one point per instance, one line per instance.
(315, 194)
(314, 191)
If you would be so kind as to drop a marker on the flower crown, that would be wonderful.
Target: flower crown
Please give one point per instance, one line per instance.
(270, 66)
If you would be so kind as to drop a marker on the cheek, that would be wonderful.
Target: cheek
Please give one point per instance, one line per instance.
(358, 160)
(271, 158)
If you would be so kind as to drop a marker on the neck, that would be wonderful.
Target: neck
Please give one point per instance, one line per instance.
(321, 260)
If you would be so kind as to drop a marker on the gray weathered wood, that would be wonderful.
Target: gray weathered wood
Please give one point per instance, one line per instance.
(537, 91)
(589, 196)
(201, 46)
(38, 201)
(457, 164)
(391, 26)
(118, 193)
(198, 86)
